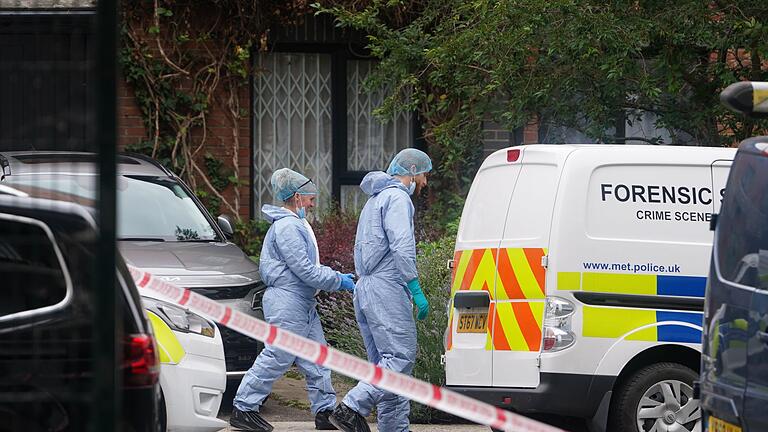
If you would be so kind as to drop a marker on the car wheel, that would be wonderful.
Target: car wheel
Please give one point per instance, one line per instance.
(657, 398)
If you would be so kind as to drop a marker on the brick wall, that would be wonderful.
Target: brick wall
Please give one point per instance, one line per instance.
(496, 137)
(219, 140)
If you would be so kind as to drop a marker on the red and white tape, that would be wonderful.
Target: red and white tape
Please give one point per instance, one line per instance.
(359, 369)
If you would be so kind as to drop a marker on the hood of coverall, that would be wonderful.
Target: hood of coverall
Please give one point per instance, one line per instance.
(376, 181)
(272, 213)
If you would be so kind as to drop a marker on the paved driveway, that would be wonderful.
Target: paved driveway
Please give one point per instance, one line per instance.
(310, 427)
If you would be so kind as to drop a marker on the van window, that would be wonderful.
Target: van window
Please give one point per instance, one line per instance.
(742, 249)
(486, 206)
(31, 272)
(669, 203)
(530, 210)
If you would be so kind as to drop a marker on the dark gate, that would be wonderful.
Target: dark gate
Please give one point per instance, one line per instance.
(45, 99)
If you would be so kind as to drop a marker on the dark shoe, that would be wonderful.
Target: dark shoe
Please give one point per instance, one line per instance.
(249, 421)
(322, 422)
(348, 420)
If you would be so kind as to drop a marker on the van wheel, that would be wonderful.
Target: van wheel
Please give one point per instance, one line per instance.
(658, 397)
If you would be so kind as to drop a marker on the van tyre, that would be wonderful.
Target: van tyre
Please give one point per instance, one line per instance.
(658, 397)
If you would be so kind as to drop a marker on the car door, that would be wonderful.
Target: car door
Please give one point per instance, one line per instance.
(753, 189)
(469, 336)
(520, 278)
(730, 327)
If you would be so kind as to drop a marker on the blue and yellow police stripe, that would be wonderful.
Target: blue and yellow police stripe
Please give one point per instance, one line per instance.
(637, 284)
(637, 323)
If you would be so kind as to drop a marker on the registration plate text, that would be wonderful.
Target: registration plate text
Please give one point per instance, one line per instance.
(472, 323)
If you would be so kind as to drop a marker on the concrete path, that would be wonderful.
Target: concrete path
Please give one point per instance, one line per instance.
(310, 427)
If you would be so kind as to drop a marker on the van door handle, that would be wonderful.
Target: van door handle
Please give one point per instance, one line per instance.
(763, 336)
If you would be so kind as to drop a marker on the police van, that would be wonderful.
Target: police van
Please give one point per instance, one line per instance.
(578, 282)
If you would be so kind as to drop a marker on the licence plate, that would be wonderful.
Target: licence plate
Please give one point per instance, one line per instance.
(717, 425)
(472, 323)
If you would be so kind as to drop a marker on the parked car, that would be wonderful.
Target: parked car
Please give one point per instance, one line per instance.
(163, 229)
(46, 323)
(734, 361)
(193, 374)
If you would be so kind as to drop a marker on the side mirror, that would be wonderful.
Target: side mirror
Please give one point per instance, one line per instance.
(225, 223)
(748, 98)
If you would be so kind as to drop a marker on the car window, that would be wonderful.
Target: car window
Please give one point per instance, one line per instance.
(742, 243)
(159, 207)
(32, 272)
(149, 207)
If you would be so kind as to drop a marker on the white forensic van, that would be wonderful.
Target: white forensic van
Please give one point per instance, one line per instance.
(578, 282)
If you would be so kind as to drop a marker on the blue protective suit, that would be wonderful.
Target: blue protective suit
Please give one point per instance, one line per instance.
(385, 260)
(288, 266)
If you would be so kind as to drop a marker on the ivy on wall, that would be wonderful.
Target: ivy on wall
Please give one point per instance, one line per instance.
(185, 61)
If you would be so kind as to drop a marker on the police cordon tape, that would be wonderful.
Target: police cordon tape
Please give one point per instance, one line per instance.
(351, 366)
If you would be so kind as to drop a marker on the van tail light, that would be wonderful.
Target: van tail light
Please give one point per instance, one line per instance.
(141, 365)
(513, 155)
(557, 325)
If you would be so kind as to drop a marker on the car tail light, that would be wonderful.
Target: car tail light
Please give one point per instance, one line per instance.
(140, 362)
(557, 325)
(513, 155)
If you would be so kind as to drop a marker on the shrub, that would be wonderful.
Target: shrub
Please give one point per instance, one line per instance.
(249, 235)
(335, 232)
(435, 278)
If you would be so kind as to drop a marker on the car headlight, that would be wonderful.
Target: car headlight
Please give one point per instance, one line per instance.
(180, 319)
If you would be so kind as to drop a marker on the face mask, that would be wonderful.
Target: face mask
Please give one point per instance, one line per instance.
(301, 211)
(412, 186)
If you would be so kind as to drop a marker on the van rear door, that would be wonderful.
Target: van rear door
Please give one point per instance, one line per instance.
(469, 346)
(520, 294)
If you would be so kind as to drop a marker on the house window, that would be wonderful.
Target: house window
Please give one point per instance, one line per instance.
(312, 114)
(292, 120)
(371, 143)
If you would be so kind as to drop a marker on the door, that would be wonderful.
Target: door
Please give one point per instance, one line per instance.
(732, 284)
(752, 189)
(469, 337)
(520, 296)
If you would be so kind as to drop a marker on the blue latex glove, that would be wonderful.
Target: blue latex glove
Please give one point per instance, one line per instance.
(347, 284)
(419, 299)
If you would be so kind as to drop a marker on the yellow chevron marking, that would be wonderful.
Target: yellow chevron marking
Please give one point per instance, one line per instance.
(461, 269)
(511, 327)
(528, 283)
(486, 273)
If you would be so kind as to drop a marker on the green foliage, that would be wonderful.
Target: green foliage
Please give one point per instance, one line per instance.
(249, 236)
(575, 63)
(181, 60)
(435, 277)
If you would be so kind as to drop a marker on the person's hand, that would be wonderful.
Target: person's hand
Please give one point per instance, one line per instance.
(419, 299)
(347, 282)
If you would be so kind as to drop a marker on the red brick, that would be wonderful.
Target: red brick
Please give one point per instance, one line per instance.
(134, 131)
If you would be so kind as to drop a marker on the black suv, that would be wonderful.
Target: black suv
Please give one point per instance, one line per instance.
(46, 322)
(162, 228)
(734, 359)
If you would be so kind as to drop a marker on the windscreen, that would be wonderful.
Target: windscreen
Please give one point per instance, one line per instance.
(149, 207)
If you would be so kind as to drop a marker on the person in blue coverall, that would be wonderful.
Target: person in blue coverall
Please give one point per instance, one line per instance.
(291, 269)
(385, 262)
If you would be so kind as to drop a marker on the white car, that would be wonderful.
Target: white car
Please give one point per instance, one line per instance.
(193, 375)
